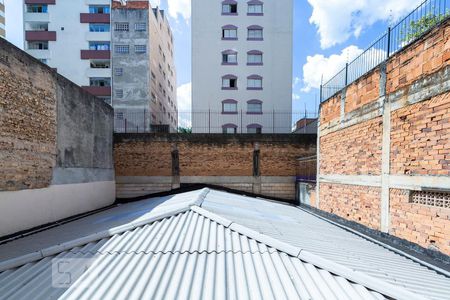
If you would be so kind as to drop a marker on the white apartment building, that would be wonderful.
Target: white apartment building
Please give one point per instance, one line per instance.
(85, 42)
(2, 19)
(242, 66)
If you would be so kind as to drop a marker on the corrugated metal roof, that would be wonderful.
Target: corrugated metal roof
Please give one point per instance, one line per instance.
(299, 228)
(185, 256)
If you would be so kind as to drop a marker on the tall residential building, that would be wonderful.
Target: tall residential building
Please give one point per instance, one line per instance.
(242, 66)
(109, 52)
(2, 19)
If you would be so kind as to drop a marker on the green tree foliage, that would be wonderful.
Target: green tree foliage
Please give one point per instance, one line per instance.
(415, 29)
(184, 130)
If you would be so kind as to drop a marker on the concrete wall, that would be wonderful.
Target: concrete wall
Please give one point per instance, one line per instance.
(386, 136)
(56, 145)
(260, 164)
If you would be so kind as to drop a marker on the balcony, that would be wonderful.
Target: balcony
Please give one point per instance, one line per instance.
(95, 54)
(98, 90)
(52, 2)
(94, 18)
(40, 35)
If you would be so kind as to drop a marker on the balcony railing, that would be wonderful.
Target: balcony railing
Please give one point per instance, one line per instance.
(40, 35)
(95, 54)
(94, 18)
(98, 90)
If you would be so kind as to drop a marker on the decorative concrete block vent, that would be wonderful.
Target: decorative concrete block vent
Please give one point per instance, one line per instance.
(431, 198)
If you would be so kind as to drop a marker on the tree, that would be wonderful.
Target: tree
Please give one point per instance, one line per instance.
(417, 28)
(184, 130)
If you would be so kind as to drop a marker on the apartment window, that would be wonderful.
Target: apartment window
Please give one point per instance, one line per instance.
(99, 45)
(255, 8)
(153, 75)
(140, 27)
(229, 82)
(229, 129)
(98, 9)
(140, 48)
(122, 49)
(153, 97)
(229, 106)
(43, 60)
(255, 33)
(229, 7)
(254, 58)
(254, 129)
(119, 93)
(37, 8)
(229, 32)
(229, 57)
(121, 26)
(40, 45)
(118, 71)
(38, 26)
(100, 81)
(254, 107)
(100, 64)
(254, 82)
(99, 27)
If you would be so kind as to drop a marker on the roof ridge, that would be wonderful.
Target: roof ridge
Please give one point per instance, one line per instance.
(368, 281)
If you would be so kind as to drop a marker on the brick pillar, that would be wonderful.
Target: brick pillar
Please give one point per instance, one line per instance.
(175, 167)
(256, 170)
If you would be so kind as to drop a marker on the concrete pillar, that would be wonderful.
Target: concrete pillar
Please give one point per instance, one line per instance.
(256, 186)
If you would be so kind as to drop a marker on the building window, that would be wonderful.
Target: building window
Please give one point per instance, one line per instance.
(229, 57)
(254, 58)
(99, 27)
(255, 33)
(229, 32)
(122, 49)
(119, 93)
(229, 82)
(40, 45)
(254, 107)
(229, 7)
(140, 48)
(254, 82)
(100, 81)
(37, 8)
(43, 60)
(121, 26)
(431, 198)
(100, 64)
(254, 129)
(153, 97)
(98, 45)
(140, 27)
(118, 71)
(98, 9)
(255, 8)
(229, 106)
(229, 129)
(119, 116)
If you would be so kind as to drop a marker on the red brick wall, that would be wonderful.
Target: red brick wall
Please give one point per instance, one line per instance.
(423, 225)
(330, 110)
(363, 91)
(353, 150)
(340, 199)
(420, 138)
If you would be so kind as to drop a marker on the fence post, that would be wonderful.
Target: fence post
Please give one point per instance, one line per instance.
(321, 94)
(389, 43)
(145, 128)
(346, 74)
(209, 121)
(273, 121)
(125, 125)
(241, 121)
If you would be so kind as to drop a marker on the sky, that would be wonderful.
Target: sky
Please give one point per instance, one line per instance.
(327, 34)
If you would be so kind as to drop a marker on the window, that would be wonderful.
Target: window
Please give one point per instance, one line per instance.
(254, 107)
(140, 48)
(99, 27)
(98, 45)
(119, 93)
(100, 81)
(229, 57)
(254, 58)
(37, 8)
(255, 8)
(119, 116)
(254, 129)
(229, 129)
(255, 33)
(153, 97)
(122, 49)
(229, 106)
(140, 27)
(229, 82)
(118, 71)
(100, 64)
(121, 26)
(38, 26)
(42, 45)
(153, 75)
(229, 32)
(254, 82)
(43, 60)
(98, 9)
(229, 7)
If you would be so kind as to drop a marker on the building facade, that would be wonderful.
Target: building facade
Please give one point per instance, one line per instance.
(106, 47)
(2, 19)
(242, 66)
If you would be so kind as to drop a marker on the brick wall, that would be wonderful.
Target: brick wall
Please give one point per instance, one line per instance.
(330, 110)
(363, 91)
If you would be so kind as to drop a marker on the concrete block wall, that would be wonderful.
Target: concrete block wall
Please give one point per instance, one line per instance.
(386, 135)
(260, 164)
(55, 145)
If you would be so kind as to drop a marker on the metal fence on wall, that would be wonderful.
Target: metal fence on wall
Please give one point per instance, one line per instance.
(429, 14)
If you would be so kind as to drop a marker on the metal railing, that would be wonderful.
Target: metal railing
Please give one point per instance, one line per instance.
(144, 121)
(426, 16)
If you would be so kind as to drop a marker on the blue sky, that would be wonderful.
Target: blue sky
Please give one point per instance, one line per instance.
(327, 33)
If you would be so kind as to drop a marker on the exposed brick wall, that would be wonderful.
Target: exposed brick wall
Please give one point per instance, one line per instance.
(363, 91)
(353, 150)
(330, 110)
(278, 190)
(420, 138)
(280, 159)
(340, 200)
(424, 225)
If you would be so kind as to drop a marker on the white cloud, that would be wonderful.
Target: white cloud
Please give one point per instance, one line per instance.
(295, 96)
(184, 98)
(319, 65)
(338, 20)
(180, 8)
